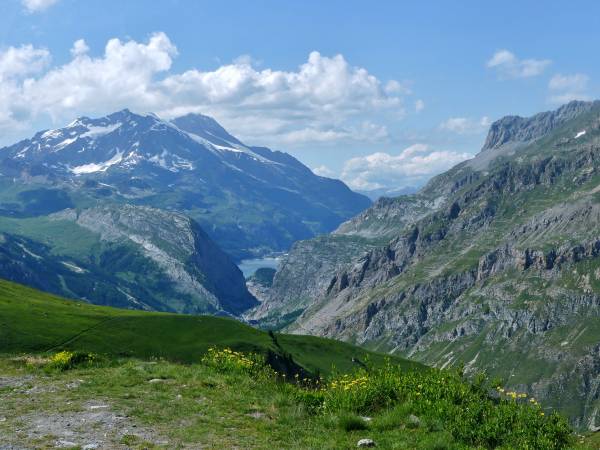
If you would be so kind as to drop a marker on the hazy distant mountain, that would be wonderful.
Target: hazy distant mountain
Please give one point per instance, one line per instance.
(376, 194)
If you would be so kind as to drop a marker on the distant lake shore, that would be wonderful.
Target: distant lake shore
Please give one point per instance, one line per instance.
(249, 266)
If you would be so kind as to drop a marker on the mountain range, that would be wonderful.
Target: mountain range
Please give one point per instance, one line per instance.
(493, 265)
(134, 211)
(250, 200)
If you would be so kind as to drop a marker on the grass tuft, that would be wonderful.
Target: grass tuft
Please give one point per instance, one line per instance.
(350, 422)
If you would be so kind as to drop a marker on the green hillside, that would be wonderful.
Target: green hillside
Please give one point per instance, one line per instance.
(81, 376)
(35, 322)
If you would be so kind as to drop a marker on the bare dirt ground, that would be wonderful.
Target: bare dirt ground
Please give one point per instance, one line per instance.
(42, 412)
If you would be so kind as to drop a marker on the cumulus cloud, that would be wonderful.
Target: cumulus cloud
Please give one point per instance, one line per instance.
(324, 171)
(17, 65)
(363, 132)
(564, 88)
(324, 90)
(508, 65)
(22, 61)
(466, 125)
(33, 6)
(79, 48)
(123, 76)
(395, 87)
(411, 167)
(325, 99)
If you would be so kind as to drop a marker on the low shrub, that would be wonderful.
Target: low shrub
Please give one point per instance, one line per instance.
(312, 399)
(474, 413)
(350, 422)
(227, 360)
(361, 392)
(66, 360)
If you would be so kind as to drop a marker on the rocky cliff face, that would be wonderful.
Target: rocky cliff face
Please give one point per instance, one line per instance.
(512, 129)
(184, 252)
(500, 271)
(387, 216)
(305, 275)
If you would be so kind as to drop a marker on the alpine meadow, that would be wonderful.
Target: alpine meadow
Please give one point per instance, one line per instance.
(299, 225)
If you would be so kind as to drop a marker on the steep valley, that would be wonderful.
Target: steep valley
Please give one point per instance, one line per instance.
(493, 265)
(134, 211)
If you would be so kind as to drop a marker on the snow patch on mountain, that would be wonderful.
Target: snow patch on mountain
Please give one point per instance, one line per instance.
(174, 165)
(95, 132)
(64, 143)
(51, 134)
(182, 163)
(73, 267)
(133, 158)
(101, 167)
(232, 147)
(160, 160)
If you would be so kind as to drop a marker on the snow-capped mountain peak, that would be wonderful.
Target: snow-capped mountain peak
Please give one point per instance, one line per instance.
(125, 140)
(190, 164)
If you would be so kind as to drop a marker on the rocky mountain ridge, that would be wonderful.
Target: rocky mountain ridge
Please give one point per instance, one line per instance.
(499, 271)
(512, 129)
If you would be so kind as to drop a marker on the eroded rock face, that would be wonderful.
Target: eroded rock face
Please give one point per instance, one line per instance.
(523, 129)
(386, 217)
(303, 276)
(184, 252)
(501, 273)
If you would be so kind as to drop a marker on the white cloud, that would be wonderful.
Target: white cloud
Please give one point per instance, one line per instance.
(324, 100)
(79, 48)
(419, 105)
(312, 135)
(564, 88)
(465, 125)
(394, 87)
(17, 65)
(123, 76)
(413, 166)
(359, 132)
(328, 88)
(508, 65)
(576, 81)
(33, 6)
(22, 61)
(324, 171)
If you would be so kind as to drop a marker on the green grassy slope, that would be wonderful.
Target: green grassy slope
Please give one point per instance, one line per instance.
(36, 322)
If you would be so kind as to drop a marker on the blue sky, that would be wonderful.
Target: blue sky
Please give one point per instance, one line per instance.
(381, 94)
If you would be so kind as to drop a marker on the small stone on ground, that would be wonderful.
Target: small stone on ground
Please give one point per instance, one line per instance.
(414, 420)
(156, 380)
